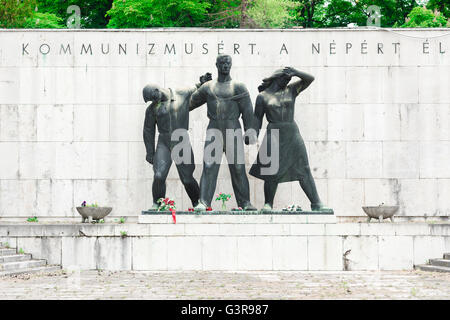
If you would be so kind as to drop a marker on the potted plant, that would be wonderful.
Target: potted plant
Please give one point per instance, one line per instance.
(380, 212)
(92, 212)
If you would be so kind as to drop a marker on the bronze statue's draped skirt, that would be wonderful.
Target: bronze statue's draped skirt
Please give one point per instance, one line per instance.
(292, 157)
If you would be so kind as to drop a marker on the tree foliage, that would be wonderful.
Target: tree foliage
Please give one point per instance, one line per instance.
(272, 13)
(24, 14)
(14, 13)
(443, 6)
(223, 13)
(421, 17)
(309, 13)
(229, 14)
(157, 13)
(41, 20)
(92, 12)
(340, 13)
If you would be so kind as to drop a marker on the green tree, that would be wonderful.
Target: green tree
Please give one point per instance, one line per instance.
(15, 13)
(251, 13)
(421, 17)
(130, 14)
(44, 21)
(92, 12)
(308, 13)
(157, 13)
(272, 13)
(340, 13)
(442, 6)
(229, 14)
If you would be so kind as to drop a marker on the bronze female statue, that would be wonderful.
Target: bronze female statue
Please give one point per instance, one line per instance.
(277, 101)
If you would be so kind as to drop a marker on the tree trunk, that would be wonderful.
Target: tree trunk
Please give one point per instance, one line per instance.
(244, 7)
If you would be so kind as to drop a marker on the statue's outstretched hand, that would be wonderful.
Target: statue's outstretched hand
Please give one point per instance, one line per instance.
(205, 78)
(149, 159)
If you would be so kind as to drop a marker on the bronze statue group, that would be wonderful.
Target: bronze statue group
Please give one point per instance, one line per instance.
(282, 156)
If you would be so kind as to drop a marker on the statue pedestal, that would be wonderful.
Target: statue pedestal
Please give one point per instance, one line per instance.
(239, 217)
(232, 243)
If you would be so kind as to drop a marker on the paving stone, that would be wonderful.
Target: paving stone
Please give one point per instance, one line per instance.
(227, 285)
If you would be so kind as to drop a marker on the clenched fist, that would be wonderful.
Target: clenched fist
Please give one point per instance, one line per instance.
(205, 78)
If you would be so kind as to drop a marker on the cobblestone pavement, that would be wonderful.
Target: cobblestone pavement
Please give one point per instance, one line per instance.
(227, 285)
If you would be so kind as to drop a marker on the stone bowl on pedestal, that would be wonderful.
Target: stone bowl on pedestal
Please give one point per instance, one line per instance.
(380, 212)
(93, 213)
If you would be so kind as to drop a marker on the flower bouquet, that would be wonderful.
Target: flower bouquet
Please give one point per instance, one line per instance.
(224, 197)
(292, 208)
(167, 204)
(193, 210)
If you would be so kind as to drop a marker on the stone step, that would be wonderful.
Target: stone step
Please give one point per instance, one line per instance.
(440, 262)
(5, 266)
(427, 267)
(15, 257)
(7, 251)
(44, 269)
(447, 256)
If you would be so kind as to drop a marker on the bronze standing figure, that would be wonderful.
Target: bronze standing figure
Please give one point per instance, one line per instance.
(226, 101)
(276, 100)
(169, 111)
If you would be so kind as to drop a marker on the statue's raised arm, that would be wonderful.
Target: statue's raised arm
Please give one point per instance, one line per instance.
(298, 86)
(198, 96)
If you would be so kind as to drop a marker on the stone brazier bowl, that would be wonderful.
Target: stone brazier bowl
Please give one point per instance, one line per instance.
(93, 213)
(380, 212)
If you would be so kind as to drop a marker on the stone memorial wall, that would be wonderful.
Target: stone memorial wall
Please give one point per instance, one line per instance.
(376, 120)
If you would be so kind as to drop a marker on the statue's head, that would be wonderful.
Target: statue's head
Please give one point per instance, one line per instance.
(223, 63)
(152, 92)
(279, 76)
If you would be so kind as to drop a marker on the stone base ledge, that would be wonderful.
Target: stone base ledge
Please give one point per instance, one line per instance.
(135, 218)
(231, 246)
(167, 228)
(240, 218)
(242, 213)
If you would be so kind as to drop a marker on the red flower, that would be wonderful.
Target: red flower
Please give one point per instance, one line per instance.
(209, 209)
(171, 202)
(191, 209)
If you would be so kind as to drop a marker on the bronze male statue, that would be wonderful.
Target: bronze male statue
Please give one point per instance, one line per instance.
(226, 101)
(169, 110)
